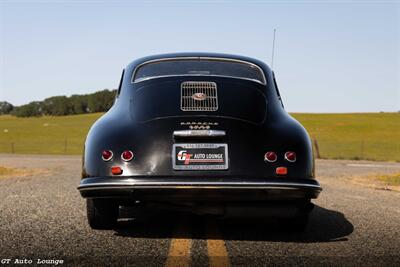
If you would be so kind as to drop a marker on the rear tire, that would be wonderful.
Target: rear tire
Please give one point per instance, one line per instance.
(102, 213)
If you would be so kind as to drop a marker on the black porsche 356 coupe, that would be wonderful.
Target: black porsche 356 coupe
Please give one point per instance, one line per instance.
(203, 131)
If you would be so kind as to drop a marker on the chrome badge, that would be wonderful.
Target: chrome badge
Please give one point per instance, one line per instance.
(199, 96)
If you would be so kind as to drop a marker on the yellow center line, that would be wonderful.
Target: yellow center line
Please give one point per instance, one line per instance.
(179, 249)
(217, 253)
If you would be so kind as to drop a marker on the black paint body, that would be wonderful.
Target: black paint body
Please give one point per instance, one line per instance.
(126, 126)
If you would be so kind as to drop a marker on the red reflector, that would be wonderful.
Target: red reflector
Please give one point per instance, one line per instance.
(106, 155)
(270, 156)
(281, 170)
(127, 155)
(290, 156)
(116, 170)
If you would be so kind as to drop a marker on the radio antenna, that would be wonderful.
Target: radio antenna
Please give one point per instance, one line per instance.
(273, 50)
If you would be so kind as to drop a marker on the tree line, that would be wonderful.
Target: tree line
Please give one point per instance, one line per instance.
(100, 101)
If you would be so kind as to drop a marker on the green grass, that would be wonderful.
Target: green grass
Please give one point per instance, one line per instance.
(374, 136)
(45, 135)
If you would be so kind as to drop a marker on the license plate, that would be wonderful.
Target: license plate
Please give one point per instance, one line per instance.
(200, 156)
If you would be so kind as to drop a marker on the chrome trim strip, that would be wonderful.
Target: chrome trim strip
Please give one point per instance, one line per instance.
(264, 82)
(195, 133)
(201, 185)
(188, 187)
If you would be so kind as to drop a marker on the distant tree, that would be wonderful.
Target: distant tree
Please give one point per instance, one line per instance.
(79, 104)
(61, 105)
(5, 107)
(57, 106)
(101, 101)
(29, 110)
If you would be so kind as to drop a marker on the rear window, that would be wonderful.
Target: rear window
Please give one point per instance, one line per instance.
(199, 67)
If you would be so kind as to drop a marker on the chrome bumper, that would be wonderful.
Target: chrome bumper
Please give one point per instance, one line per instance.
(120, 186)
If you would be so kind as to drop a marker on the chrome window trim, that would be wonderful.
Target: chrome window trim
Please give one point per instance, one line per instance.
(264, 82)
(196, 75)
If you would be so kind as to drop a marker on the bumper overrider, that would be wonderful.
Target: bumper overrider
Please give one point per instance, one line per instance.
(199, 188)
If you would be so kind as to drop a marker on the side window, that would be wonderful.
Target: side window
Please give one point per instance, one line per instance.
(277, 90)
(120, 83)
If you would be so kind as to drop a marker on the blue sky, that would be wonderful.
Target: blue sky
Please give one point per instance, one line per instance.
(330, 57)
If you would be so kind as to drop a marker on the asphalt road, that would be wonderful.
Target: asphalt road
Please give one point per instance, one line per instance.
(42, 216)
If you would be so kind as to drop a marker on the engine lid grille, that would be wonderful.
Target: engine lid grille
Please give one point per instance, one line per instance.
(199, 96)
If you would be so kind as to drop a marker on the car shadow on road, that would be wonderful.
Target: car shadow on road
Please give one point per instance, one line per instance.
(324, 226)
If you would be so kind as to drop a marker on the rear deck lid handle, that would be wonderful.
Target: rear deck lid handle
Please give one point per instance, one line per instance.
(199, 133)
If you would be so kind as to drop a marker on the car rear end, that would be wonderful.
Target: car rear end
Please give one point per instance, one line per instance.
(197, 132)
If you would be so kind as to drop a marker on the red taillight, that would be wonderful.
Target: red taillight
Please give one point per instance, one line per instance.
(127, 155)
(270, 156)
(106, 155)
(290, 156)
(281, 171)
(116, 170)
